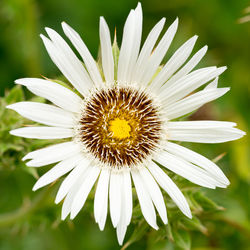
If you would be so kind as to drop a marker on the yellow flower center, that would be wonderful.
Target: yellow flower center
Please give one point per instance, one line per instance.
(120, 128)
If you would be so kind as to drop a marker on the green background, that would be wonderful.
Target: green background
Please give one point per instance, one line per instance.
(30, 220)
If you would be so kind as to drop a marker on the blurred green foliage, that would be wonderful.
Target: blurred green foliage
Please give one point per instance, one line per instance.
(31, 220)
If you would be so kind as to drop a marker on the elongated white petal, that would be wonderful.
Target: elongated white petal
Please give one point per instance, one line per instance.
(53, 92)
(67, 204)
(52, 154)
(130, 45)
(44, 113)
(188, 66)
(84, 52)
(115, 196)
(178, 58)
(101, 198)
(204, 131)
(147, 49)
(152, 64)
(106, 50)
(187, 170)
(193, 102)
(189, 83)
(71, 179)
(145, 200)
(69, 65)
(155, 194)
(197, 159)
(127, 195)
(122, 225)
(213, 84)
(169, 186)
(43, 132)
(57, 171)
(91, 175)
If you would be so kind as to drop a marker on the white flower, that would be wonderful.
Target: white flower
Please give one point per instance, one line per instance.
(119, 123)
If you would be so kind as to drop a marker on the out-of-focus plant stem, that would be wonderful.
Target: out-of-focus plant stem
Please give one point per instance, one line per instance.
(25, 210)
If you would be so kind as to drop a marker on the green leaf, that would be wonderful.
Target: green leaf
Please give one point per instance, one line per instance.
(15, 95)
(116, 52)
(182, 239)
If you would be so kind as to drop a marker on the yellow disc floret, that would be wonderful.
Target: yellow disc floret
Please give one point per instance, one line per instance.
(120, 128)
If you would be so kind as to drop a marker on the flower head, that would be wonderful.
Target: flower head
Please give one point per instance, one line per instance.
(119, 121)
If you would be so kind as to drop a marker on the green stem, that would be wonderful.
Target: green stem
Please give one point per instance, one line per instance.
(27, 208)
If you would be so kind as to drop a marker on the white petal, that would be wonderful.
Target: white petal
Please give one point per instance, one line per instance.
(71, 179)
(204, 131)
(43, 132)
(115, 196)
(84, 52)
(147, 49)
(152, 64)
(155, 194)
(69, 65)
(178, 58)
(187, 170)
(127, 195)
(189, 83)
(122, 225)
(146, 203)
(193, 102)
(106, 50)
(67, 204)
(44, 113)
(131, 41)
(91, 175)
(188, 66)
(53, 92)
(57, 171)
(213, 84)
(197, 159)
(101, 198)
(52, 154)
(169, 186)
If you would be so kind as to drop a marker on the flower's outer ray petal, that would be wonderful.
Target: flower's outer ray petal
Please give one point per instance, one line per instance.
(204, 131)
(54, 92)
(122, 224)
(189, 83)
(187, 170)
(84, 52)
(155, 193)
(193, 102)
(176, 61)
(187, 67)
(213, 84)
(52, 154)
(57, 171)
(106, 50)
(130, 45)
(44, 113)
(67, 203)
(69, 65)
(127, 195)
(71, 179)
(145, 200)
(147, 49)
(153, 62)
(197, 159)
(101, 198)
(169, 186)
(43, 132)
(115, 196)
(91, 175)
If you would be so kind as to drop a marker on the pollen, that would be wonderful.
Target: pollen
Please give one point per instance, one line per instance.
(120, 128)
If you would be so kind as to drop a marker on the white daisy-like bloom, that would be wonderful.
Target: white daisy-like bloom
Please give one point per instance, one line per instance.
(118, 122)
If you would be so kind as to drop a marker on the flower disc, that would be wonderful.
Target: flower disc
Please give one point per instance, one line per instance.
(120, 126)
